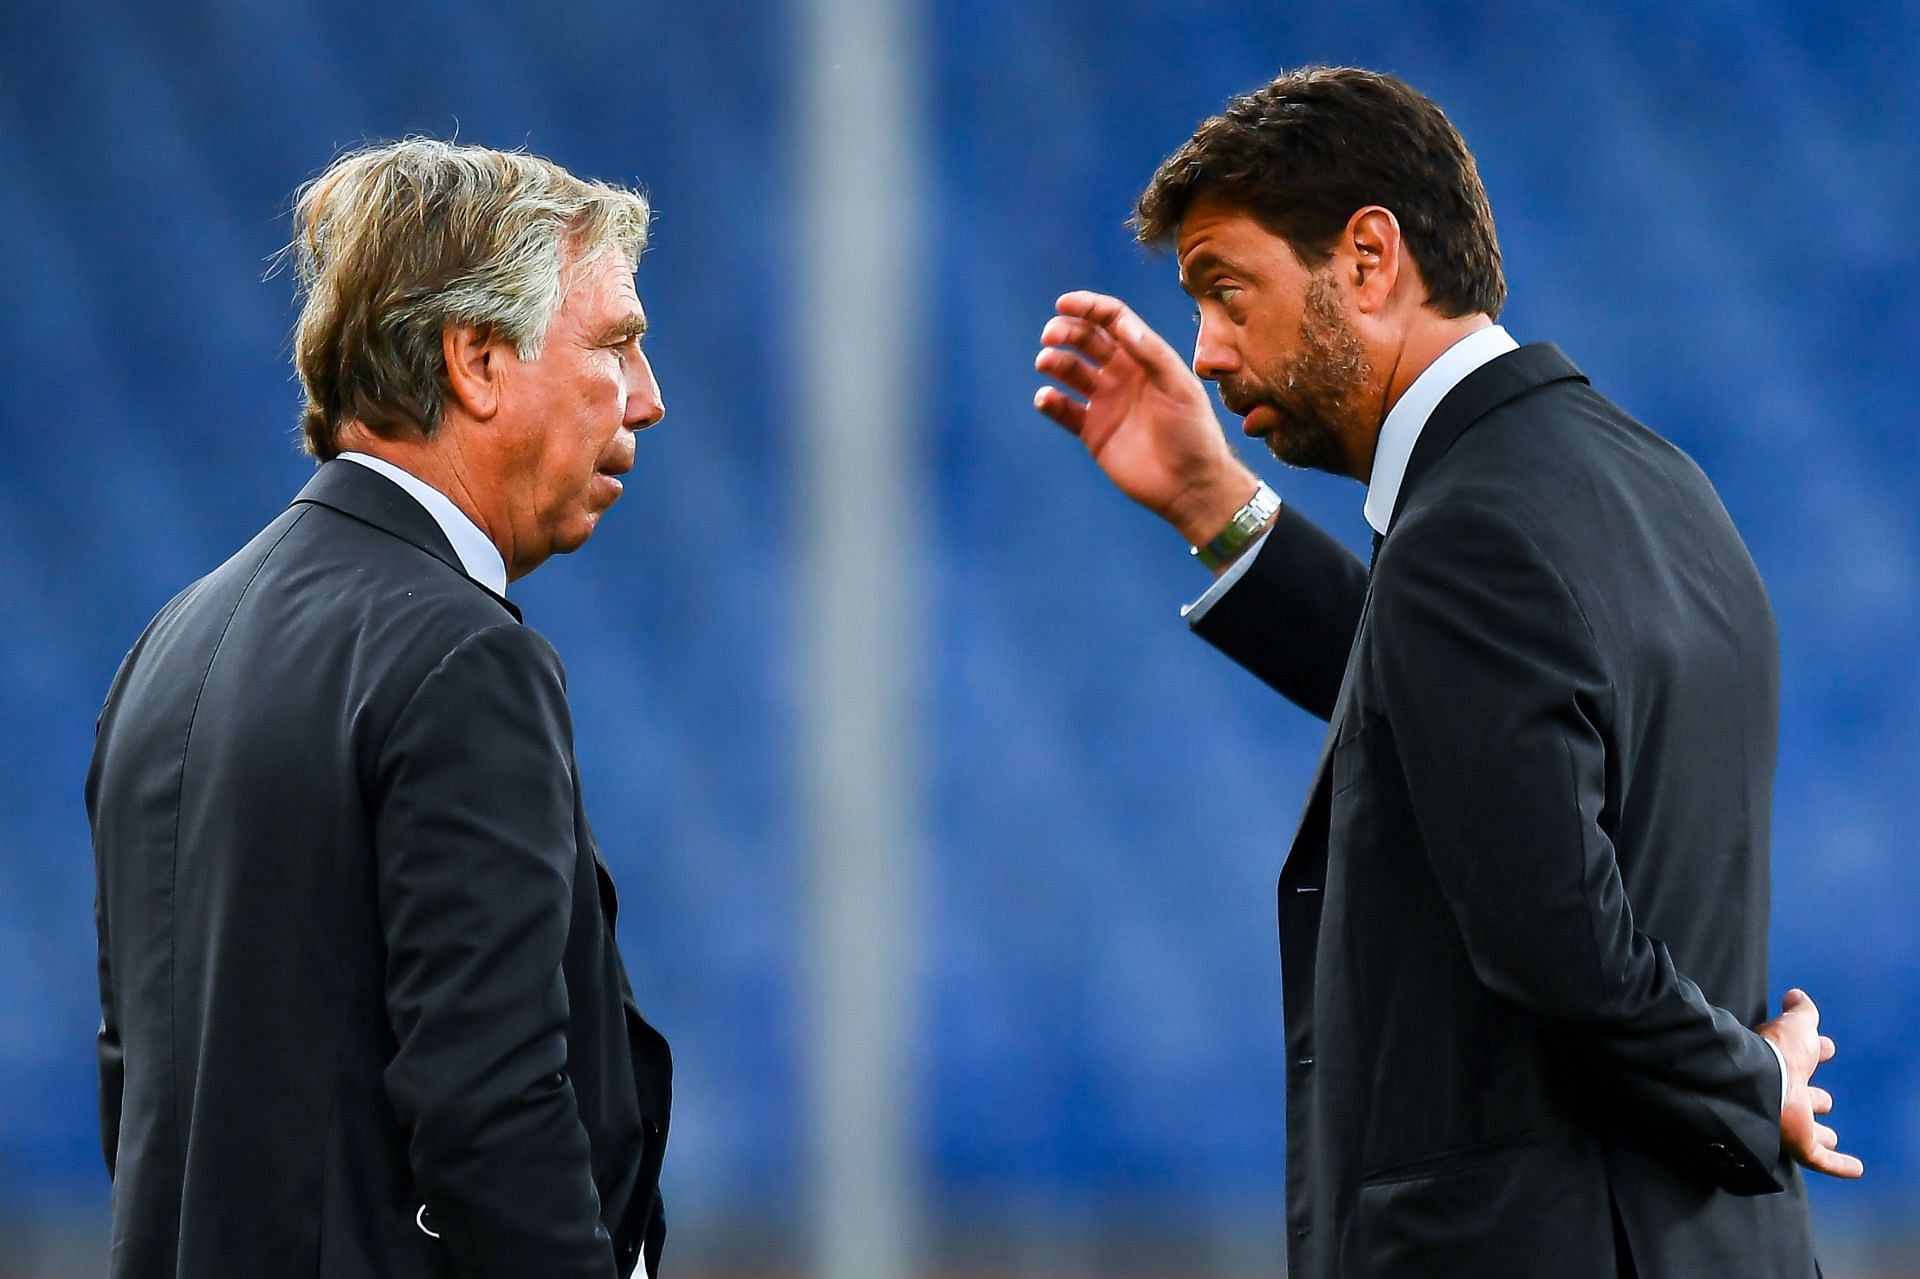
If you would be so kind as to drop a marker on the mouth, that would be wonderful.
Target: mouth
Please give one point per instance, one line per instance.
(616, 463)
(1259, 420)
(608, 474)
(1249, 408)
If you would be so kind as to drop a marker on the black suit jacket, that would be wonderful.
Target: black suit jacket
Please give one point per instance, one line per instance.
(357, 966)
(1523, 923)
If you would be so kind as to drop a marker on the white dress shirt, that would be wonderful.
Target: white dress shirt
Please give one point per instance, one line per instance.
(1398, 434)
(478, 555)
(1408, 417)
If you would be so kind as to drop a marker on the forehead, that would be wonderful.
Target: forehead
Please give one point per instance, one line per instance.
(1215, 233)
(599, 288)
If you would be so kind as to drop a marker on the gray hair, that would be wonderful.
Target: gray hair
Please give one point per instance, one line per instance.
(394, 242)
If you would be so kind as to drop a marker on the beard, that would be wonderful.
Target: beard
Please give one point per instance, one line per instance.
(1313, 391)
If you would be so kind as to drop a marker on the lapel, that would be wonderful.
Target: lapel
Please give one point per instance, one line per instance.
(1493, 384)
(374, 499)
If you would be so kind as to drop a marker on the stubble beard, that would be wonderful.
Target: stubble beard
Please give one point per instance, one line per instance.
(1314, 390)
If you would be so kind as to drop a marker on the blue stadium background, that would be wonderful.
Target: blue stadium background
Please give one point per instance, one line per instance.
(1711, 207)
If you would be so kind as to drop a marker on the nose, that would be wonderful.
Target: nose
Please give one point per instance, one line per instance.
(644, 406)
(1214, 356)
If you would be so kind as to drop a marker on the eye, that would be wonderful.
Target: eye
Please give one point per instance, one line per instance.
(1227, 293)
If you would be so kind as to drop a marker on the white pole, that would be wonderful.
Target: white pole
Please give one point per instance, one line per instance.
(858, 312)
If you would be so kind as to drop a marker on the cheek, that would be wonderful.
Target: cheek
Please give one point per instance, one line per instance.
(607, 394)
(1271, 366)
(596, 417)
(573, 461)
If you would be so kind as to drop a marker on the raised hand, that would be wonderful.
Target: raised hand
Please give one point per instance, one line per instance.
(1796, 1033)
(1142, 414)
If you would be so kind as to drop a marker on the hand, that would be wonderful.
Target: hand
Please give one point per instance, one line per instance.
(1796, 1033)
(1146, 420)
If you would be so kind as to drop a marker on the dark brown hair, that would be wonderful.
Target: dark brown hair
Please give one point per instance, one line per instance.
(1305, 152)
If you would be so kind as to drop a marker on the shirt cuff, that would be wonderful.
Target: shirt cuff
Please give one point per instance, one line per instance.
(1782, 1059)
(1221, 585)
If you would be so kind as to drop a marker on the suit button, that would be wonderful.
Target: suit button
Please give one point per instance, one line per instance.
(1303, 1063)
(420, 1220)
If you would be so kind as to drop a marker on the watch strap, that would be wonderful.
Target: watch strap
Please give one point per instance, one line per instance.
(1241, 530)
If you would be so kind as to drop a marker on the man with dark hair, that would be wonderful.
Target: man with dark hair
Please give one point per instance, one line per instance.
(362, 1010)
(1523, 921)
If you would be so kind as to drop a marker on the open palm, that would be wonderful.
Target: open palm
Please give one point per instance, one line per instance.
(1142, 414)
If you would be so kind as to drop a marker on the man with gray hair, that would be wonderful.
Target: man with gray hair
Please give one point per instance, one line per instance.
(362, 1012)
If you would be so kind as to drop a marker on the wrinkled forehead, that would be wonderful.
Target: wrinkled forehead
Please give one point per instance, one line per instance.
(1216, 236)
(1213, 234)
(599, 288)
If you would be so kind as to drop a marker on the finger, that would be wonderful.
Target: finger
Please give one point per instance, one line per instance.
(1120, 323)
(1061, 407)
(1835, 1164)
(1090, 340)
(1822, 1099)
(1099, 308)
(1800, 1019)
(1826, 1049)
(1066, 367)
(1823, 1155)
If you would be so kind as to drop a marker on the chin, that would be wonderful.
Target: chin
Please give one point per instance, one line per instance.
(575, 533)
(1308, 448)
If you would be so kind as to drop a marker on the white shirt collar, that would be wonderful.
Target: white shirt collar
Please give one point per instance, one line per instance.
(478, 555)
(1408, 417)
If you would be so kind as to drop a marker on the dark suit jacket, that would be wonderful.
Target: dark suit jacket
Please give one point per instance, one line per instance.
(1523, 923)
(357, 967)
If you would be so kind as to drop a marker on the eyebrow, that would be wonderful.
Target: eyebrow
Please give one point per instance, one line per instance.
(1197, 267)
(630, 326)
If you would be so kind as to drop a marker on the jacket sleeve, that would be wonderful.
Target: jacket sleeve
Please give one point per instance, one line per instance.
(1291, 618)
(476, 845)
(110, 1054)
(112, 1058)
(1496, 691)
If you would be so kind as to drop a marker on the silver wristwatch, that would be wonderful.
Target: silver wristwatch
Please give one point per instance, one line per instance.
(1241, 529)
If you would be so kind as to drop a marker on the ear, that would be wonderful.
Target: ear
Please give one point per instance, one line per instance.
(474, 368)
(1372, 238)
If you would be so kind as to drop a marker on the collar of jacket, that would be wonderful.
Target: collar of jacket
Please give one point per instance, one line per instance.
(372, 498)
(1494, 383)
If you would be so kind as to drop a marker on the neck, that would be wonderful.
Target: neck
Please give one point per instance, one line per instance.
(436, 461)
(1423, 342)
